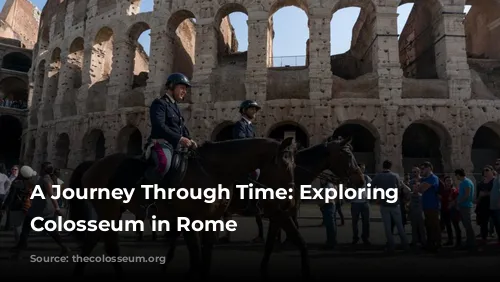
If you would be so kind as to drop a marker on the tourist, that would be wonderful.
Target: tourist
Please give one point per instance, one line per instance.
(465, 203)
(449, 212)
(361, 208)
(4, 187)
(429, 188)
(328, 213)
(416, 213)
(495, 200)
(483, 202)
(391, 211)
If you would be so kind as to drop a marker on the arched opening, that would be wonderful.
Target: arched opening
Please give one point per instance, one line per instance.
(14, 92)
(481, 29)
(100, 71)
(140, 6)
(421, 143)
(17, 62)
(62, 151)
(181, 31)
(94, 145)
(351, 33)
(30, 152)
(73, 77)
(417, 40)
(139, 33)
(223, 132)
(485, 147)
(10, 142)
(52, 85)
(228, 79)
(290, 129)
(287, 49)
(129, 141)
(364, 142)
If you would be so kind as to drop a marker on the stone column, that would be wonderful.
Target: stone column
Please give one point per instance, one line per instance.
(392, 141)
(320, 75)
(45, 101)
(81, 104)
(205, 60)
(122, 74)
(451, 56)
(385, 56)
(68, 20)
(63, 83)
(256, 74)
(160, 62)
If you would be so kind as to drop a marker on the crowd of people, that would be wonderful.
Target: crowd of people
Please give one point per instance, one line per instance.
(432, 206)
(16, 104)
(16, 187)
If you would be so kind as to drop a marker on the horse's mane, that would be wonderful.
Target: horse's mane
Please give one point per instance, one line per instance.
(310, 155)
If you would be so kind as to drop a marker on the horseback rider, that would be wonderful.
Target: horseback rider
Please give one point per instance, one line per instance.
(168, 132)
(244, 129)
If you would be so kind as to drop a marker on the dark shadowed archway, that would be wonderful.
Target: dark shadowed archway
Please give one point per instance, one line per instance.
(10, 141)
(485, 147)
(364, 143)
(284, 130)
(94, 145)
(17, 62)
(223, 131)
(62, 151)
(129, 140)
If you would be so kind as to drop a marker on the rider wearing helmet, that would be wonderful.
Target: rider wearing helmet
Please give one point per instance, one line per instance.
(168, 131)
(244, 129)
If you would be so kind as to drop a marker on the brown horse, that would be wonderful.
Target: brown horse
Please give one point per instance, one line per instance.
(213, 163)
(335, 155)
(310, 163)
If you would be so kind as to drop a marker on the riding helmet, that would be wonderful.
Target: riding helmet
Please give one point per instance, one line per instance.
(247, 104)
(175, 79)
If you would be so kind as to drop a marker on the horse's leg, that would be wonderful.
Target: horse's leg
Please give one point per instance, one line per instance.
(293, 233)
(208, 239)
(287, 240)
(227, 238)
(272, 233)
(260, 226)
(193, 244)
(113, 249)
(89, 243)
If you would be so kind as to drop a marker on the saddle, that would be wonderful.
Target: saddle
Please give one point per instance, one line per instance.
(177, 170)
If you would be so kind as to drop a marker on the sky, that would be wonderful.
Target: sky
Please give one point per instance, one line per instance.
(289, 44)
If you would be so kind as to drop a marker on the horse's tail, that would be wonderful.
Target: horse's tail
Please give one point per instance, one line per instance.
(78, 210)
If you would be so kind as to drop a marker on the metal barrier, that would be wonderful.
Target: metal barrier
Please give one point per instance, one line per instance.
(289, 61)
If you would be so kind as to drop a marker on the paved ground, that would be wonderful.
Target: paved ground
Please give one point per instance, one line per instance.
(241, 259)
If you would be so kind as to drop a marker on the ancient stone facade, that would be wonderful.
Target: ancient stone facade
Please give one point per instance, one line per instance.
(18, 32)
(431, 94)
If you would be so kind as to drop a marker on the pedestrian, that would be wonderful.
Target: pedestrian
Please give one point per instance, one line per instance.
(361, 208)
(465, 204)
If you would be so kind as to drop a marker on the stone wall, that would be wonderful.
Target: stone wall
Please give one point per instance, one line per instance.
(19, 19)
(392, 86)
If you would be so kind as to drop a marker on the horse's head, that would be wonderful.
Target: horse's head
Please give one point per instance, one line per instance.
(280, 172)
(343, 163)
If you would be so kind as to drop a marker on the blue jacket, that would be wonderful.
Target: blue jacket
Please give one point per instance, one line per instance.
(167, 121)
(242, 129)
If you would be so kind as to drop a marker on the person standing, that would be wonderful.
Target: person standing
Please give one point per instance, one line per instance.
(391, 211)
(448, 195)
(429, 188)
(465, 203)
(483, 202)
(328, 213)
(361, 208)
(418, 234)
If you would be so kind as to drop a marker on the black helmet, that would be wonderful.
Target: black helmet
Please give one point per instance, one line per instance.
(175, 79)
(247, 104)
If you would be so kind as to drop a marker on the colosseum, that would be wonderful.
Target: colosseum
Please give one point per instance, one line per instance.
(429, 93)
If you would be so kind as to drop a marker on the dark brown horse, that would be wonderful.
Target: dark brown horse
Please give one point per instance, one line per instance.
(213, 163)
(335, 155)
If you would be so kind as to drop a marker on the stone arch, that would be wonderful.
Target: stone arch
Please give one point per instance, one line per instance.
(11, 129)
(286, 129)
(482, 42)
(226, 46)
(129, 140)
(16, 61)
(223, 131)
(418, 47)
(52, 85)
(485, 146)
(182, 49)
(62, 149)
(427, 140)
(365, 142)
(73, 77)
(15, 90)
(100, 71)
(94, 145)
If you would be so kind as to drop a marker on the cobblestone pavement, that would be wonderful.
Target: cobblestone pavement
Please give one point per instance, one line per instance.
(242, 258)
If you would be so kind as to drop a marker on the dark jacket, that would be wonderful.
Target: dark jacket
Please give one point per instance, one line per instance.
(242, 129)
(167, 121)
